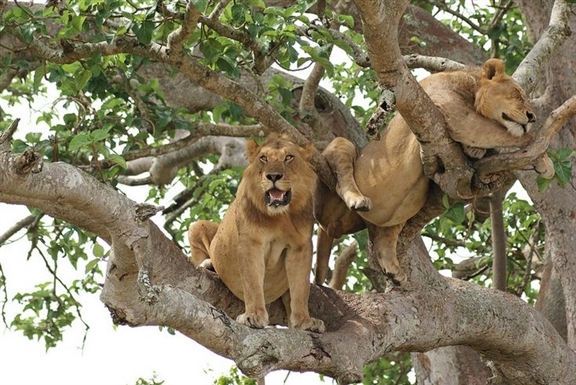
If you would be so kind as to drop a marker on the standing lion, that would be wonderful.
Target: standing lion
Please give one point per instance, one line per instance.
(262, 250)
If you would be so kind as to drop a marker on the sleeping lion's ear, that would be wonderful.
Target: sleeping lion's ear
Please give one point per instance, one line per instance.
(493, 69)
(251, 150)
(308, 152)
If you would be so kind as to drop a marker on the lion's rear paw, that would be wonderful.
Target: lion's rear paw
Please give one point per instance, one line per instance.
(474, 152)
(253, 320)
(545, 167)
(311, 324)
(358, 202)
(399, 278)
(207, 264)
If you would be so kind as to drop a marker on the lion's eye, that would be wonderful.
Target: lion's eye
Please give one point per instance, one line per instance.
(288, 158)
(263, 159)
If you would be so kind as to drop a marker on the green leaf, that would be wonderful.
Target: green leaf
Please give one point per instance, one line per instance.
(456, 213)
(91, 265)
(238, 13)
(98, 250)
(78, 141)
(82, 77)
(144, 31)
(119, 160)
(99, 134)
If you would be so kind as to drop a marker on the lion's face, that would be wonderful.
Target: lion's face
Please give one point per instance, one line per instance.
(502, 99)
(285, 178)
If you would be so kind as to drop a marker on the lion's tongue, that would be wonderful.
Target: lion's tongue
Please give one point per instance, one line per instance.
(276, 195)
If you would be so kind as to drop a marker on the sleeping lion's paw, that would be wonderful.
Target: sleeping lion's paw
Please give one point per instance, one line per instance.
(357, 202)
(545, 167)
(253, 320)
(474, 152)
(310, 324)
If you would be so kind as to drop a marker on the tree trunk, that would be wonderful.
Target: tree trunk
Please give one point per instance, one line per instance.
(557, 205)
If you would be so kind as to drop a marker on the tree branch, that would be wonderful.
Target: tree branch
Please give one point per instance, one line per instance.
(553, 37)
(25, 222)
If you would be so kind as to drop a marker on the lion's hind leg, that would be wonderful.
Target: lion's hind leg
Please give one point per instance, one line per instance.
(341, 154)
(200, 235)
(385, 240)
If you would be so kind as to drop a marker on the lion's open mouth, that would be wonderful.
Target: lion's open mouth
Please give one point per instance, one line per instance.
(275, 197)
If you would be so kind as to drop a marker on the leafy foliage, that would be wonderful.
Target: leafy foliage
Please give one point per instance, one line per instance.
(456, 237)
(234, 378)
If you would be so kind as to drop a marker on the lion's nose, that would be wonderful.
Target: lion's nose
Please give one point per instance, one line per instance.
(274, 176)
(531, 117)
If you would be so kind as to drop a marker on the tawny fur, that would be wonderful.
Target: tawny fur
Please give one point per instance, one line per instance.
(384, 185)
(263, 252)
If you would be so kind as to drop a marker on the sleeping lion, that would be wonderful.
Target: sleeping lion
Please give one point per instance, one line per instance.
(384, 183)
(262, 250)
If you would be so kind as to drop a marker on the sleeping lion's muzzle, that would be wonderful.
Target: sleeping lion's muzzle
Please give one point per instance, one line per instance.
(275, 197)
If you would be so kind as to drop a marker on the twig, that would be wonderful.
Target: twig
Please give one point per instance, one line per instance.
(16, 227)
(6, 136)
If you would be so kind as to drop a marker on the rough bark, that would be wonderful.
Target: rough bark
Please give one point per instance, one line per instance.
(450, 365)
(556, 203)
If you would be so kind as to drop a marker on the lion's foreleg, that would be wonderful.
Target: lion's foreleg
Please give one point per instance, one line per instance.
(200, 235)
(298, 267)
(341, 155)
(252, 270)
(385, 240)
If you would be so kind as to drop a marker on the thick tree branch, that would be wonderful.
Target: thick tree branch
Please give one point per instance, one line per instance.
(553, 37)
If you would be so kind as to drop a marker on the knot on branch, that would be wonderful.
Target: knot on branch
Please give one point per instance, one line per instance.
(260, 361)
(118, 316)
(386, 105)
(148, 292)
(456, 182)
(483, 185)
(144, 211)
(28, 162)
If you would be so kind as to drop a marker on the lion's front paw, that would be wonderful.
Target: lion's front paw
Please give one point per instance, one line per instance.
(253, 320)
(310, 324)
(357, 202)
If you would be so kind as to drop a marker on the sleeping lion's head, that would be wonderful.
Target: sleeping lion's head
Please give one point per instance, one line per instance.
(499, 97)
(280, 176)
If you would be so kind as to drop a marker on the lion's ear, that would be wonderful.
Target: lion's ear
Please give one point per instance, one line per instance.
(251, 150)
(493, 69)
(308, 152)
